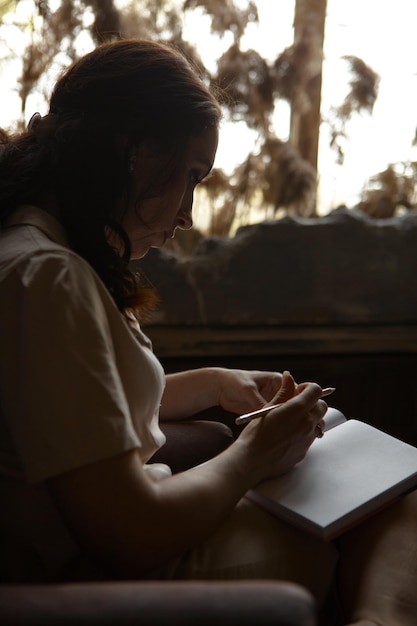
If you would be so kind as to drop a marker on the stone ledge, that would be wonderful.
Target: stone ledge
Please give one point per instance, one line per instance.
(343, 269)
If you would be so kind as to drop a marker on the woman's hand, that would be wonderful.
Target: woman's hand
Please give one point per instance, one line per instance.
(280, 439)
(241, 391)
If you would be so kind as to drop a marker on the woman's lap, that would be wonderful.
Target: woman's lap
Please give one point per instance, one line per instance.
(251, 544)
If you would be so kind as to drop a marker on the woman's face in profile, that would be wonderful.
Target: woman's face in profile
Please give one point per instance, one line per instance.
(155, 220)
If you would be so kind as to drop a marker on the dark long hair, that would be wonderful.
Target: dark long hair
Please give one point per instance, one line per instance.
(137, 89)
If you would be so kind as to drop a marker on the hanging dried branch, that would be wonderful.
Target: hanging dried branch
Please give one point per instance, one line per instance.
(363, 86)
(245, 77)
(60, 28)
(148, 19)
(361, 97)
(226, 16)
(387, 192)
(290, 181)
(296, 67)
(56, 34)
(280, 176)
(107, 23)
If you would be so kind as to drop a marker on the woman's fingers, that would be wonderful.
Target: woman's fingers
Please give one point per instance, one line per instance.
(319, 429)
(282, 438)
(287, 389)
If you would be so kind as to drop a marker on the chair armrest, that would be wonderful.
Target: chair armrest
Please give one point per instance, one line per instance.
(191, 442)
(264, 603)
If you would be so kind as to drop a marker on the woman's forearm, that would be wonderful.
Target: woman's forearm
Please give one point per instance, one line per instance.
(187, 393)
(235, 390)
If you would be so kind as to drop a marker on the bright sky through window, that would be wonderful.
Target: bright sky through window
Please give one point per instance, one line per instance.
(381, 33)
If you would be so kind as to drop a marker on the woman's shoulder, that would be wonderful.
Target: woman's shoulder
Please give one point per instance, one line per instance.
(33, 248)
(38, 267)
(30, 230)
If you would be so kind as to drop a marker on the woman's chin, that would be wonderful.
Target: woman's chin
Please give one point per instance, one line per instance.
(136, 256)
(143, 251)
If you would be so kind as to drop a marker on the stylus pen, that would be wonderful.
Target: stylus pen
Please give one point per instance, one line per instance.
(248, 417)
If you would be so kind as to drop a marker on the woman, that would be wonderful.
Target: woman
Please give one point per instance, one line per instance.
(107, 174)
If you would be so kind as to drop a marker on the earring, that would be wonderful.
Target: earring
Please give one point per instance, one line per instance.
(132, 162)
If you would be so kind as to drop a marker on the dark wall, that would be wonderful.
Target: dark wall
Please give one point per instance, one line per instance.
(378, 389)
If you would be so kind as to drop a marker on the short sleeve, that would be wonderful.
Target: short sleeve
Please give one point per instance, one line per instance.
(64, 401)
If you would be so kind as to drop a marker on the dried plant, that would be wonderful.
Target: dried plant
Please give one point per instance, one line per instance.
(295, 68)
(226, 15)
(277, 178)
(246, 78)
(56, 34)
(390, 191)
(107, 21)
(361, 97)
(151, 19)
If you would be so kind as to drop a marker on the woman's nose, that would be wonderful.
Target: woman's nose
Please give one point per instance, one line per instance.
(185, 219)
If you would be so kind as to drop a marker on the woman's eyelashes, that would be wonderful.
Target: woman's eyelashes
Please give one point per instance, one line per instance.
(195, 178)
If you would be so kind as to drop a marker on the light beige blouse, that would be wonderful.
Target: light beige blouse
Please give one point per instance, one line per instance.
(77, 384)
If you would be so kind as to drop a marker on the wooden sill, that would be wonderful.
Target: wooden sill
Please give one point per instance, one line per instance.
(195, 341)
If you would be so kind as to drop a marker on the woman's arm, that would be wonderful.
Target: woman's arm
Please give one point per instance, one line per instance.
(133, 524)
(238, 391)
